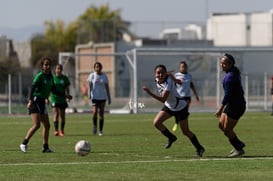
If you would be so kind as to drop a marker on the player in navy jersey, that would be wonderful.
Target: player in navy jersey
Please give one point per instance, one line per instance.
(233, 104)
(175, 106)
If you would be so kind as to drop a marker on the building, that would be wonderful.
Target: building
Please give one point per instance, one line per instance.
(241, 29)
(190, 32)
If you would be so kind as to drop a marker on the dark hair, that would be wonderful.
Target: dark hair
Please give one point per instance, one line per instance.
(231, 60)
(160, 66)
(60, 66)
(97, 63)
(184, 62)
(43, 59)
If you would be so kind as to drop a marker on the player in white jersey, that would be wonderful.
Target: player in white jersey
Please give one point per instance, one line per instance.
(99, 93)
(184, 84)
(173, 106)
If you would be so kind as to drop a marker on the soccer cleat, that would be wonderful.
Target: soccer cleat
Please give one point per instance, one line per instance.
(23, 148)
(61, 133)
(231, 151)
(94, 130)
(242, 145)
(236, 153)
(48, 150)
(200, 152)
(56, 133)
(100, 133)
(170, 142)
(175, 127)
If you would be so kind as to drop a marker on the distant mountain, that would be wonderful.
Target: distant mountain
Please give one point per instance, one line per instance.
(21, 34)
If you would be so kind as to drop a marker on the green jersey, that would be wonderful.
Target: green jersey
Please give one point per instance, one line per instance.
(61, 82)
(43, 84)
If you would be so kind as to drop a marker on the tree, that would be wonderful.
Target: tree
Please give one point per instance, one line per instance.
(95, 24)
(101, 25)
(8, 65)
(57, 38)
(64, 38)
(40, 47)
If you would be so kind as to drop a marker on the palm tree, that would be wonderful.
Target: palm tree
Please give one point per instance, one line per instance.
(101, 25)
(57, 38)
(64, 38)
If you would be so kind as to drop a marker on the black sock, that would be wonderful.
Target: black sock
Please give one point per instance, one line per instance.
(45, 146)
(196, 143)
(62, 126)
(101, 123)
(95, 121)
(56, 125)
(25, 142)
(236, 143)
(168, 134)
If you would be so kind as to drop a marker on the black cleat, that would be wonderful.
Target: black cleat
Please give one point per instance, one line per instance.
(170, 142)
(200, 152)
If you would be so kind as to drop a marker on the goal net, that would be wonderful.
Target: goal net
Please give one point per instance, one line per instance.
(129, 71)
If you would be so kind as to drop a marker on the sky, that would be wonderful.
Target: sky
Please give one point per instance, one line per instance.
(18, 14)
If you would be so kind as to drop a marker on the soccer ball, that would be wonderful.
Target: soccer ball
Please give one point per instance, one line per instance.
(82, 147)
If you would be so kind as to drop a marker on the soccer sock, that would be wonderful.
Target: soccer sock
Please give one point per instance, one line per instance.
(45, 146)
(25, 142)
(95, 121)
(101, 123)
(62, 126)
(168, 134)
(236, 143)
(195, 142)
(56, 125)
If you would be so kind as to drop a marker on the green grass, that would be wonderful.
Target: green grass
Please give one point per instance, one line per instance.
(132, 149)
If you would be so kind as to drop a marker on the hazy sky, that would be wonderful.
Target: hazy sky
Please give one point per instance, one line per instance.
(22, 13)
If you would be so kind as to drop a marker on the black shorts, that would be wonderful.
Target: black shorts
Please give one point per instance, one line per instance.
(179, 115)
(235, 111)
(96, 102)
(59, 105)
(38, 106)
(187, 99)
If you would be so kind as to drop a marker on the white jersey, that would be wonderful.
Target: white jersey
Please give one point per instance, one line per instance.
(173, 102)
(184, 89)
(97, 88)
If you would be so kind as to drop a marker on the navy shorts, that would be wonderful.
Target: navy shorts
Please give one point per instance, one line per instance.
(38, 106)
(235, 111)
(59, 105)
(96, 102)
(179, 115)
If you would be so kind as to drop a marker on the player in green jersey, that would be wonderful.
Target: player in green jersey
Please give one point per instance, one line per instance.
(59, 103)
(42, 85)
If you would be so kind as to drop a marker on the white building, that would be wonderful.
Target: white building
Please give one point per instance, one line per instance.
(241, 29)
(190, 32)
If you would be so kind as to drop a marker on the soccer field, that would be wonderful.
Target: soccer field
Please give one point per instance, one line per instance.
(132, 149)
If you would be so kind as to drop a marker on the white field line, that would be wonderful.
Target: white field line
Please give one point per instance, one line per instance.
(138, 161)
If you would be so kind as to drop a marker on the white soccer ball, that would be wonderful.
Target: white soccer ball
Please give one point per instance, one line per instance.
(82, 147)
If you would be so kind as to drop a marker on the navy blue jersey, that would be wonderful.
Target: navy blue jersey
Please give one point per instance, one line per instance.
(233, 90)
